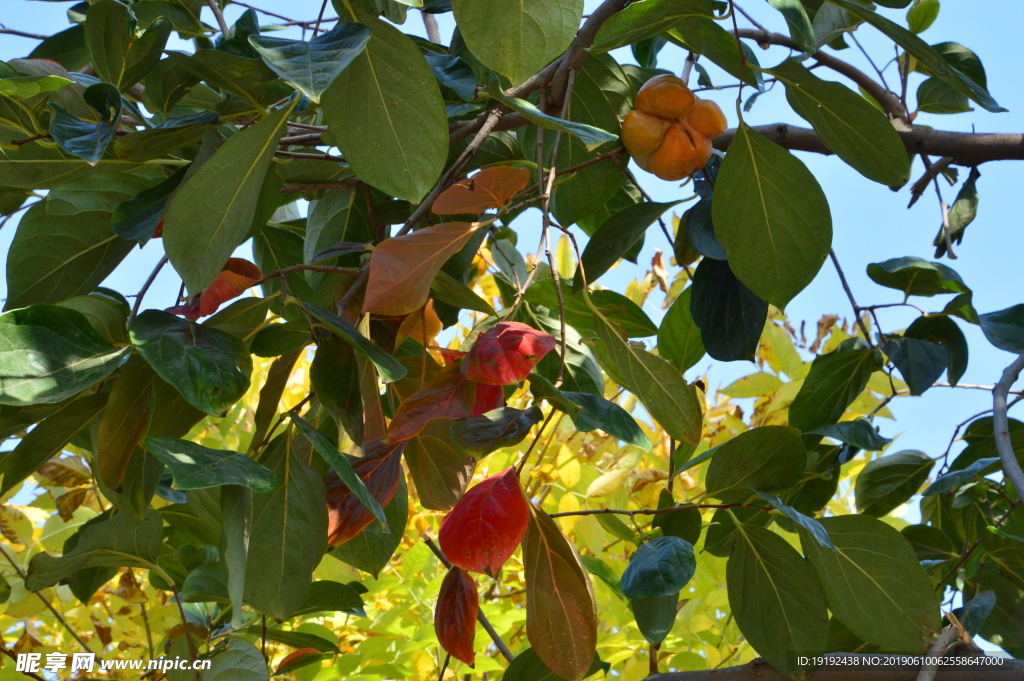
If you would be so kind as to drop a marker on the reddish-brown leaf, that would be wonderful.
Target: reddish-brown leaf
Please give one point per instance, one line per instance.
(300, 658)
(487, 524)
(490, 188)
(447, 395)
(506, 353)
(403, 267)
(124, 421)
(561, 616)
(379, 469)
(238, 276)
(455, 615)
(488, 397)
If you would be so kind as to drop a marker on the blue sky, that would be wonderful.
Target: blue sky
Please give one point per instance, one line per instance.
(871, 223)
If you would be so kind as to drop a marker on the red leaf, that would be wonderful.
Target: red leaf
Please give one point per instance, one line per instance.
(486, 525)
(159, 231)
(488, 397)
(238, 276)
(506, 354)
(455, 615)
(490, 188)
(447, 395)
(379, 469)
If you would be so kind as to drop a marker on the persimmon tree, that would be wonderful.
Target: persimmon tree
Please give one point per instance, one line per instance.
(406, 442)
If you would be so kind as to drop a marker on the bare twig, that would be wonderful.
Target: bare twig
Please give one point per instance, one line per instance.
(309, 268)
(8, 653)
(480, 616)
(310, 157)
(145, 287)
(10, 31)
(215, 8)
(430, 24)
(1001, 427)
(849, 294)
(932, 171)
(319, 186)
(316, 29)
(184, 623)
(652, 511)
(750, 18)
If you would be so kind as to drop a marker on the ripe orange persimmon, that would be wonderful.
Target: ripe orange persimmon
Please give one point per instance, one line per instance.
(669, 132)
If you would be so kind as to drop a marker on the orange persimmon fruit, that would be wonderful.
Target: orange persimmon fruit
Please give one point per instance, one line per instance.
(669, 132)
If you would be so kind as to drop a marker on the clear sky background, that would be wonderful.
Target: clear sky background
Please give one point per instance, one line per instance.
(871, 223)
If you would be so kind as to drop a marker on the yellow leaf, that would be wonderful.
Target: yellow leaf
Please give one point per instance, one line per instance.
(607, 483)
(754, 385)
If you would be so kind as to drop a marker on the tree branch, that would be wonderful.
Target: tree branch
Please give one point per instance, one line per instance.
(580, 47)
(215, 8)
(760, 670)
(1001, 427)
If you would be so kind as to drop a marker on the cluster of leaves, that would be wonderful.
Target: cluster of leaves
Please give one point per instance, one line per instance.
(263, 486)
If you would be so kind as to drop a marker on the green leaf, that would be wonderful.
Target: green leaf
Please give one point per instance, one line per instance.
(874, 583)
(944, 331)
(685, 522)
(241, 318)
(213, 210)
(771, 216)
(159, 141)
(614, 238)
(641, 20)
(917, 277)
(388, 367)
(922, 15)
(833, 383)
(957, 479)
(124, 421)
(334, 377)
(847, 124)
(768, 458)
(928, 56)
(48, 439)
(935, 96)
(122, 541)
(66, 48)
(386, 112)
(533, 33)
(36, 167)
(452, 72)
(88, 139)
(600, 569)
(660, 567)
(49, 353)
(312, 66)
(440, 472)
(240, 661)
(859, 433)
(450, 290)
(274, 340)
(118, 55)
(679, 338)
(107, 312)
(729, 315)
(930, 543)
(591, 137)
(810, 524)
(655, 616)
(617, 528)
(250, 79)
(706, 37)
(288, 535)
(295, 639)
(138, 217)
(196, 467)
(774, 596)
(920, 362)
(210, 368)
(800, 28)
(23, 87)
(341, 466)
(1005, 328)
(666, 395)
(589, 412)
(328, 596)
(527, 666)
(502, 427)
(55, 257)
(615, 306)
(371, 549)
(963, 212)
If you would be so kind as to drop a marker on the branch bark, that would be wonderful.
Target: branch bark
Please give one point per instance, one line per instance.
(1001, 427)
(759, 670)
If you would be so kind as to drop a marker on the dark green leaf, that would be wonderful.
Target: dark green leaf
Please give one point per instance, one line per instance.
(800, 28)
(450, 290)
(210, 368)
(847, 124)
(1005, 328)
(617, 528)
(295, 639)
(138, 217)
(212, 212)
(943, 330)
(240, 661)
(859, 433)
(452, 72)
(241, 318)
(312, 66)
(772, 218)
(328, 596)
(976, 611)
(679, 338)
(122, 541)
(660, 567)
(589, 412)
(334, 377)
(591, 137)
(917, 277)
(706, 37)
(655, 616)
(83, 138)
(527, 666)
(936, 96)
(439, 471)
(49, 353)
(615, 306)
(920, 362)
(107, 312)
(274, 340)
(388, 367)
(834, 382)
(774, 596)
(889, 481)
(387, 114)
(729, 315)
(118, 55)
(67, 48)
(684, 523)
(614, 238)
(643, 20)
(371, 549)
(197, 467)
(930, 543)
(502, 427)
(172, 134)
(957, 479)
(767, 458)
(250, 79)
(124, 421)
(874, 583)
(288, 535)
(806, 522)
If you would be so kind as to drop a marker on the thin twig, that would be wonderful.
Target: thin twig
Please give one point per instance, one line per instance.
(652, 511)
(480, 616)
(316, 29)
(184, 623)
(310, 157)
(430, 24)
(49, 606)
(881, 76)
(23, 34)
(215, 8)
(149, 632)
(750, 18)
(14, 657)
(932, 170)
(536, 439)
(1001, 426)
(145, 287)
(309, 268)
(319, 186)
(849, 294)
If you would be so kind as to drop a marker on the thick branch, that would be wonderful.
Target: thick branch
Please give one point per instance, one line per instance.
(1010, 670)
(1001, 427)
(578, 50)
(965, 148)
